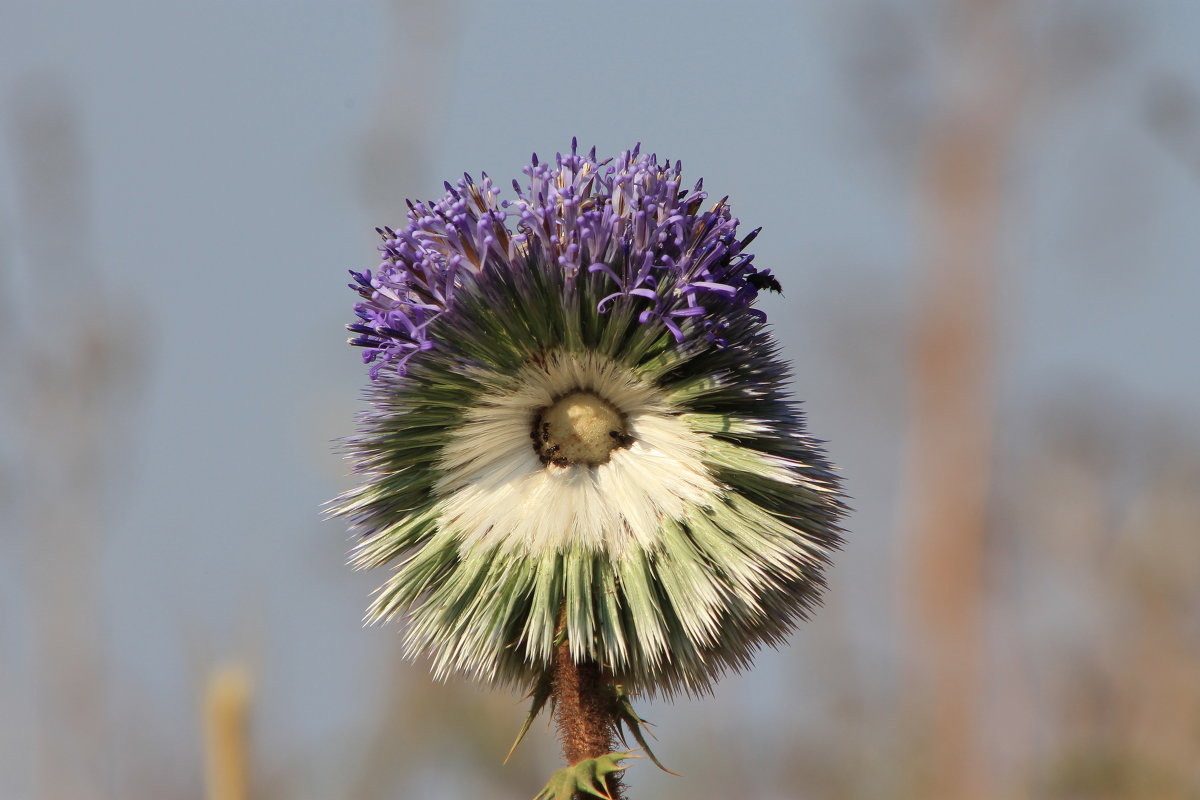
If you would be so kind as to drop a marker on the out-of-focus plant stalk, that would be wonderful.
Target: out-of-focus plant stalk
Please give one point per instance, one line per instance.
(69, 396)
(951, 403)
(226, 701)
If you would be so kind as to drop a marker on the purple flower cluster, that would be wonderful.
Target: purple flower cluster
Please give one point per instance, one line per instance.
(626, 218)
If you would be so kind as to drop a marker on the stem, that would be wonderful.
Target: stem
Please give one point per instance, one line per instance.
(583, 711)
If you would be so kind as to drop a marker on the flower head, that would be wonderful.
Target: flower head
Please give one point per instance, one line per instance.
(576, 413)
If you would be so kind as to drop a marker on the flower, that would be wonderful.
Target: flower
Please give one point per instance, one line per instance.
(576, 414)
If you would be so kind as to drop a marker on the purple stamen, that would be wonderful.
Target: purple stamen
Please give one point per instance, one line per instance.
(577, 215)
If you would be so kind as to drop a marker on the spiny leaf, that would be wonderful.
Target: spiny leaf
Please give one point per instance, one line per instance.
(540, 694)
(629, 718)
(586, 777)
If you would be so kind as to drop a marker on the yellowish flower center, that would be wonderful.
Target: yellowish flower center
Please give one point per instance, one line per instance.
(579, 428)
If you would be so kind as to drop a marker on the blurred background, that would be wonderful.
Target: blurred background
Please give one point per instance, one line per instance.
(986, 219)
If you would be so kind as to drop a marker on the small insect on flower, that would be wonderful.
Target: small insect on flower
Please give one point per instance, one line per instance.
(579, 426)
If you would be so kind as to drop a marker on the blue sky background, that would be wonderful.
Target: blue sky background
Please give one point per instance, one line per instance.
(236, 158)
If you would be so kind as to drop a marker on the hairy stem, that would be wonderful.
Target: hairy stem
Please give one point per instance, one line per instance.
(584, 712)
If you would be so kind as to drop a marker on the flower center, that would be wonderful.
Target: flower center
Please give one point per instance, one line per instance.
(579, 428)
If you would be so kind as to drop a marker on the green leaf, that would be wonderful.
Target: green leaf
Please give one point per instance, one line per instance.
(629, 718)
(586, 777)
(540, 694)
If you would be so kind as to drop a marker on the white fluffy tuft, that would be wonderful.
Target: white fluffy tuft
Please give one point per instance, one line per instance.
(497, 493)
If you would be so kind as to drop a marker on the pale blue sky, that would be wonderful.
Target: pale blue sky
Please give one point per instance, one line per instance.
(223, 145)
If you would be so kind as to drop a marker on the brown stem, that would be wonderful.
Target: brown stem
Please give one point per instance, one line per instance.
(583, 711)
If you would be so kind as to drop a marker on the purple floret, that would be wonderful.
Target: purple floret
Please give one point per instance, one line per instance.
(626, 218)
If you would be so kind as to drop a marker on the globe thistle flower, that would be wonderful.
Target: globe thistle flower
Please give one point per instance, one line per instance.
(580, 455)
(579, 426)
